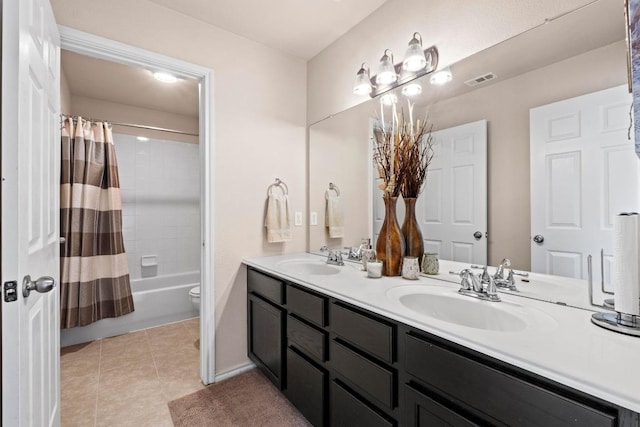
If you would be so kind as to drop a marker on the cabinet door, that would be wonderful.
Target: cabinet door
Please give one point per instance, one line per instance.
(422, 411)
(266, 338)
(306, 387)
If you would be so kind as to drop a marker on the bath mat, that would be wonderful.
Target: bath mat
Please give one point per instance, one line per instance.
(248, 399)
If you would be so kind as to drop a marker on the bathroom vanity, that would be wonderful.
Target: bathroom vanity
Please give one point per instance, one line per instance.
(351, 351)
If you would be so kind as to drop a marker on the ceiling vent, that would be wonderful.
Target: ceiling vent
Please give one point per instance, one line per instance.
(480, 79)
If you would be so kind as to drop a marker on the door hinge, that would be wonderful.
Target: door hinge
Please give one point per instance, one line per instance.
(10, 291)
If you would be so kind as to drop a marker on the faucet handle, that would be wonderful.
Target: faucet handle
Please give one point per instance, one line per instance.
(492, 292)
(465, 282)
(485, 278)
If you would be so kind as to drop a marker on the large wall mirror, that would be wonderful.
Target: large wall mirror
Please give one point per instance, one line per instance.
(559, 148)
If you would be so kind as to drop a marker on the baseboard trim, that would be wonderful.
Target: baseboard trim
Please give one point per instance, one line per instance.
(233, 372)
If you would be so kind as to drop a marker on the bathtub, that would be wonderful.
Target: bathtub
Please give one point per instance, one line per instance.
(157, 300)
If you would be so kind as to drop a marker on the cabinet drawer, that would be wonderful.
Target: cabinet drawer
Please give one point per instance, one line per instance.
(494, 393)
(266, 338)
(307, 305)
(373, 336)
(349, 411)
(422, 411)
(265, 286)
(372, 379)
(306, 338)
(306, 386)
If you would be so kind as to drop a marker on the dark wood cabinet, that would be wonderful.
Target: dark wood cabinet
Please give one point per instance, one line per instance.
(421, 410)
(266, 338)
(307, 387)
(342, 365)
(348, 410)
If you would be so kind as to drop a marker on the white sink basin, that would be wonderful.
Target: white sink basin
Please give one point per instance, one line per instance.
(311, 267)
(446, 305)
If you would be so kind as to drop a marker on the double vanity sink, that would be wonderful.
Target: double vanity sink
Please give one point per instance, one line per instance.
(550, 341)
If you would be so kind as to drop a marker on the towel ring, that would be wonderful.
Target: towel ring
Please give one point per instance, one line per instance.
(278, 183)
(334, 187)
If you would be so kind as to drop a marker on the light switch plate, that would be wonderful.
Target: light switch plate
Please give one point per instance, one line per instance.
(298, 219)
(314, 218)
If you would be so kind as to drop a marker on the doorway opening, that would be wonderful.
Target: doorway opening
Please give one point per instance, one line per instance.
(84, 48)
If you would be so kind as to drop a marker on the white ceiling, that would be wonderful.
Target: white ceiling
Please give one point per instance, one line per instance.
(302, 28)
(114, 82)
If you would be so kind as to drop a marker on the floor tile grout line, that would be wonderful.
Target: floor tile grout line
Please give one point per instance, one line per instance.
(155, 364)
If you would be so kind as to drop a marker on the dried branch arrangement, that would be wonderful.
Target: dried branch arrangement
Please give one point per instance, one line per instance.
(402, 153)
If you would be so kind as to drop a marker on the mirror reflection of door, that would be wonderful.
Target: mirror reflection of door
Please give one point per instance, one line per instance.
(583, 173)
(452, 210)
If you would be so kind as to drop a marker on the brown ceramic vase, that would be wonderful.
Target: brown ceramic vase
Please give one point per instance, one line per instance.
(390, 245)
(413, 243)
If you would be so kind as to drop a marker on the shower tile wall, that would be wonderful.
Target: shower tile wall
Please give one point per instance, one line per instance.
(160, 186)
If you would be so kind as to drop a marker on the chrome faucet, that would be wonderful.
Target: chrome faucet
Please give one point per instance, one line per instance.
(471, 285)
(335, 257)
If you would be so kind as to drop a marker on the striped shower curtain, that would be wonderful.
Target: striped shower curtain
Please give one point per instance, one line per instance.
(94, 273)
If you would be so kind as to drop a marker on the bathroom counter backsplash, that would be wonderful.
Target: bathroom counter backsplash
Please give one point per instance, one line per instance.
(560, 343)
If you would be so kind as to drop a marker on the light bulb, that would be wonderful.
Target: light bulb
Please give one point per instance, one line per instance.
(386, 71)
(414, 58)
(363, 81)
(441, 77)
(412, 89)
(165, 77)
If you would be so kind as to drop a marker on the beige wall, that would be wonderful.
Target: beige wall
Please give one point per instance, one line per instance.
(458, 28)
(121, 113)
(65, 94)
(259, 125)
(343, 137)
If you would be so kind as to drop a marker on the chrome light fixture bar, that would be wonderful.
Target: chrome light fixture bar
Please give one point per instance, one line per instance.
(417, 63)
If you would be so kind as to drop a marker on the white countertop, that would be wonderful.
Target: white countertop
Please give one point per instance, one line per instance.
(560, 343)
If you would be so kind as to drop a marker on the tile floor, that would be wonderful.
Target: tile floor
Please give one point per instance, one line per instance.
(129, 379)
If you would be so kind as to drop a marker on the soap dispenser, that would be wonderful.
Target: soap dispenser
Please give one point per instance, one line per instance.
(368, 253)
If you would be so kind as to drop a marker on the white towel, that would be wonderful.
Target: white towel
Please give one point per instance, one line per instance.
(334, 218)
(278, 219)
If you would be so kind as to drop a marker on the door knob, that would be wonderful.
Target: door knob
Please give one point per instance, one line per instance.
(477, 235)
(538, 238)
(42, 285)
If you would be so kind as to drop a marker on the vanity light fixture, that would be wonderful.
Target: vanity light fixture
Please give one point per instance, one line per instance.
(411, 89)
(142, 138)
(441, 77)
(165, 77)
(415, 58)
(363, 81)
(386, 70)
(417, 63)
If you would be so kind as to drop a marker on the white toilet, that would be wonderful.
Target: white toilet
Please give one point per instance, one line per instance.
(194, 296)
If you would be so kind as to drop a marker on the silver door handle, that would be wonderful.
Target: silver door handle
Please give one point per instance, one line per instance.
(42, 285)
(63, 240)
(477, 235)
(538, 238)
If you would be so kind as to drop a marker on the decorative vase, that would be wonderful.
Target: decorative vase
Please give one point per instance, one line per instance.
(414, 245)
(430, 264)
(410, 268)
(390, 245)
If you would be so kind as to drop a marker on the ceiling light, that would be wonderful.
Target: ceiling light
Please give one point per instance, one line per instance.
(412, 89)
(165, 77)
(389, 99)
(386, 70)
(415, 59)
(441, 77)
(142, 138)
(363, 81)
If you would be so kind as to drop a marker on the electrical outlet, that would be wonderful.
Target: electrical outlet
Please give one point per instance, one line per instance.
(298, 219)
(314, 218)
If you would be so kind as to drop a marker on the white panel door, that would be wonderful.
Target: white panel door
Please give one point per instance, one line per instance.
(30, 212)
(453, 206)
(583, 173)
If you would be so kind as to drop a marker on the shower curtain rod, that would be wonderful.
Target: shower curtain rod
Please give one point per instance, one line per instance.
(133, 125)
